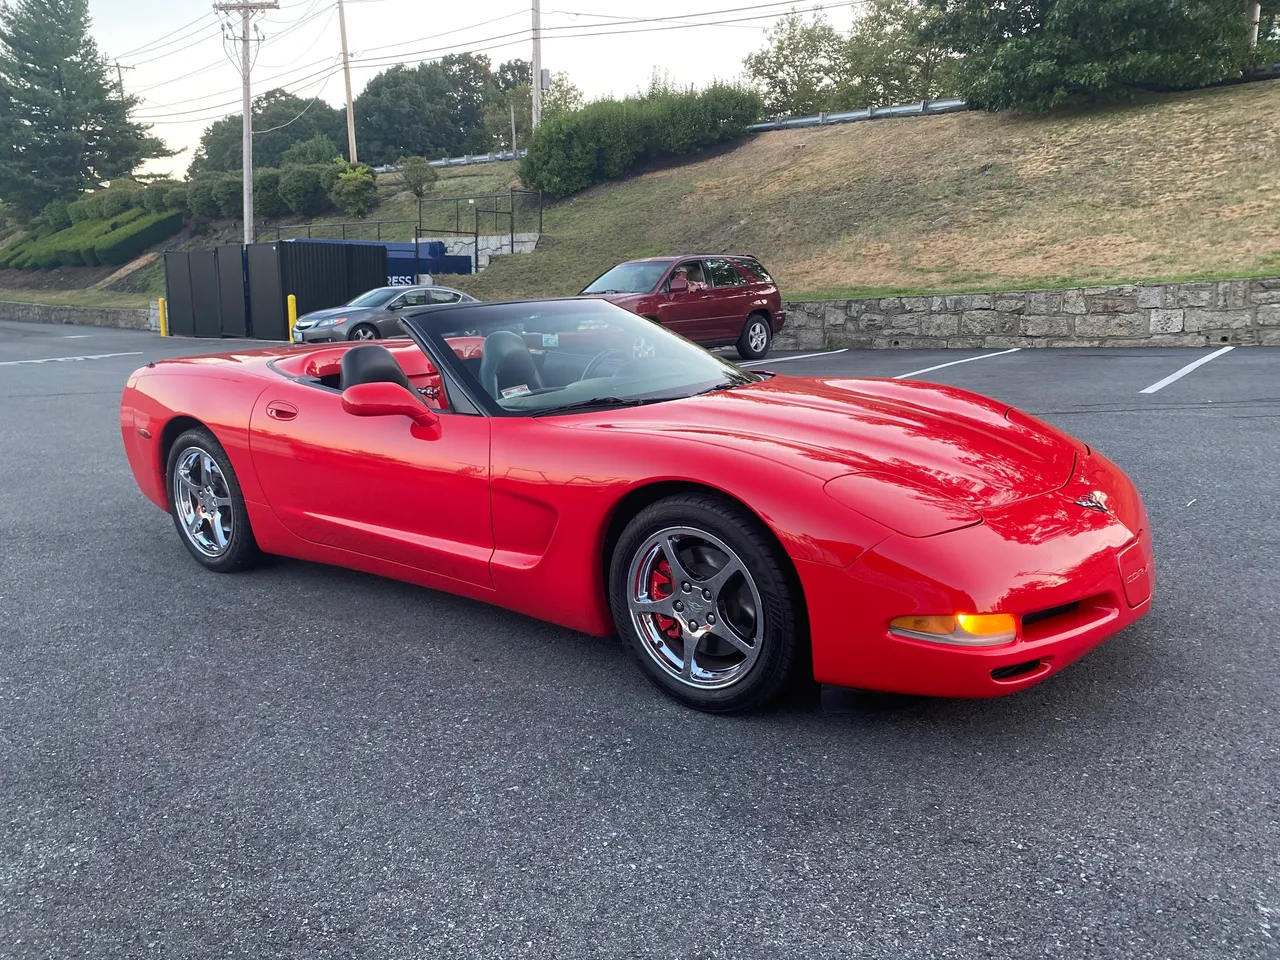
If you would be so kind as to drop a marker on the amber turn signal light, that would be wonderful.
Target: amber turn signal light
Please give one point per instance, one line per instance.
(963, 629)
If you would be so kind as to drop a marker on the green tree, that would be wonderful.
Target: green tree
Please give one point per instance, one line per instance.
(1043, 54)
(355, 190)
(888, 58)
(417, 175)
(280, 120)
(63, 129)
(319, 149)
(799, 68)
(430, 110)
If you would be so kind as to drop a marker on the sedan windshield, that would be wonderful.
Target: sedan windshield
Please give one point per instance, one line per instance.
(375, 298)
(559, 356)
(629, 278)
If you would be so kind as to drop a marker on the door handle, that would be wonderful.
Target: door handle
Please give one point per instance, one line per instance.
(279, 410)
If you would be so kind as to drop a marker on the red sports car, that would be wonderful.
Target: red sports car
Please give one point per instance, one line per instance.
(574, 462)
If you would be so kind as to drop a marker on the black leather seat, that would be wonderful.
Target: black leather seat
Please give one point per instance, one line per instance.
(507, 363)
(371, 363)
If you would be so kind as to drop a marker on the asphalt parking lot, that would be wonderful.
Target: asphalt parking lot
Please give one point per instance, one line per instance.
(306, 762)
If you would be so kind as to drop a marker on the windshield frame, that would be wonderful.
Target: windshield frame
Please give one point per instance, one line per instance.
(665, 265)
(424, 327)
(391, 294)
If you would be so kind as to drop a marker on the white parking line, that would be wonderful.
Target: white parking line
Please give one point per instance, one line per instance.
(94, 356)
(952, 363)
(1179, 374)
(802, 356)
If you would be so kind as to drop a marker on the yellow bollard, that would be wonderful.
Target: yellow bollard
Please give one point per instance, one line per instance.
(293, 315)
(164, 317)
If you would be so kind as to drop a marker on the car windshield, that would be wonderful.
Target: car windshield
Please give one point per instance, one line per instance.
(629, 278)
(556, 356)
(374, 298)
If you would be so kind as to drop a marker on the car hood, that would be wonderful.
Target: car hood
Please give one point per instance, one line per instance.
(950, 442)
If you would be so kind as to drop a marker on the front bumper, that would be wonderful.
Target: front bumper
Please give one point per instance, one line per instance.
(315, 335)
(1075, 577)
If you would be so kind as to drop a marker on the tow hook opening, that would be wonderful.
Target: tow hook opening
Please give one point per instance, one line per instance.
(1015, 670)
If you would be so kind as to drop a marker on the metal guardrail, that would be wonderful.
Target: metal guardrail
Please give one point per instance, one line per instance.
(922, 109)
(460, 161)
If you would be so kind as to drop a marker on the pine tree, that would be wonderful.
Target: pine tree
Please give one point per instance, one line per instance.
(63, 128)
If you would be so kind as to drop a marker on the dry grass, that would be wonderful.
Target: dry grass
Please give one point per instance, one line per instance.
(84, 297)
(1180, 185)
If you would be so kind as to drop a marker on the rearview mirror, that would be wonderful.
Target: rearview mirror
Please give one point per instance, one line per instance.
(386, 400)
(679, 285)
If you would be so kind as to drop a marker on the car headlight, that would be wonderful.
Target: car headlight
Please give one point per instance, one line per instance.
(962, 629)
(331, 321)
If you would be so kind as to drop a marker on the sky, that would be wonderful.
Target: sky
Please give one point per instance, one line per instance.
(172, 54)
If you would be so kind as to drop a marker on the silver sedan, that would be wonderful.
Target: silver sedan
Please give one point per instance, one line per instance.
(372, 315)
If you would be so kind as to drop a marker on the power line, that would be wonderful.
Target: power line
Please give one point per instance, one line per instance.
(159, 40)
(324, 83)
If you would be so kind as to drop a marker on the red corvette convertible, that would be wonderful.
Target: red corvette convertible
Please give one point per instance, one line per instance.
(574, 462)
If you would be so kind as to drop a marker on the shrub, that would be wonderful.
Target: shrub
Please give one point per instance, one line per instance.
(267, 201)
(228, 190)
(314, 152)
(55, 214)
(175, 198)
(417, 175)
(116, 202)
(355, 191)
(329, 174)
(122, 245)
(302, 190)
(608, 139)
(155, 199)
(201, 200)
(78, 210)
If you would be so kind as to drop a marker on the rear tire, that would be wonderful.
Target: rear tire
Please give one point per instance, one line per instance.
(364, 331)
(728, 642)
(206, 504)
(756, 338)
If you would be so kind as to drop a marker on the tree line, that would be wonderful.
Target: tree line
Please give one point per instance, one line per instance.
(1032, 54)
(66, 129)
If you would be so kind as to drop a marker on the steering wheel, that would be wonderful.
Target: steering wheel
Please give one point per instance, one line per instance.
(600, 358)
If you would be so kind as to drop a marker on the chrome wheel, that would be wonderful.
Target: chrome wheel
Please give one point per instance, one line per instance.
(757, 336)
(202, 500)
(695, 607)
(364, 333)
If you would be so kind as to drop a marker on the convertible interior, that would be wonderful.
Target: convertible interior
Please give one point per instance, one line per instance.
(506, 364)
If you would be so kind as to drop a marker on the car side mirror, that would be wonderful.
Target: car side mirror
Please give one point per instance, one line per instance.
(393, 307)
(679, 285)
(386, 400)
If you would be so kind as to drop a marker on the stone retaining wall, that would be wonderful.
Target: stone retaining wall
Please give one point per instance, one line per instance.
(1157, 315)
(141, 318)
(494, 245)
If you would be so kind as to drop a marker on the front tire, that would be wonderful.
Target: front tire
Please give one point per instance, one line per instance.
(364, 331)
(206, 504)
(757, 336)
(700, 596)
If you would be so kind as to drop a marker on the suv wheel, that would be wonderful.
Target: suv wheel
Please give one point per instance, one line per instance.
(756, 337)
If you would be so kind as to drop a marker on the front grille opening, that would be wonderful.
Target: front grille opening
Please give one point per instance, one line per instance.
(1015, 670)
(1058, 611)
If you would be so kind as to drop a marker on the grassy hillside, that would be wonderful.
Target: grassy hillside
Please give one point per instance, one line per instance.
(1185, 185)
(1178, 185)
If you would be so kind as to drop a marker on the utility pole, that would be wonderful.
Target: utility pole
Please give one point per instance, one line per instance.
(246, 11)
(1255, 16)
(537, 63)
(513, 128)
(346, 74)
(120, 77)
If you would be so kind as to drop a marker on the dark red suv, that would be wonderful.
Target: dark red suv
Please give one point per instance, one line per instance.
(711, 299)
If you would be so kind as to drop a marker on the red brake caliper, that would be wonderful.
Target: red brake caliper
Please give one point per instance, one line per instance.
(660, 587)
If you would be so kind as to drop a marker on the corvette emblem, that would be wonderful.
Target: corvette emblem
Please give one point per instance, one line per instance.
(1094, 501)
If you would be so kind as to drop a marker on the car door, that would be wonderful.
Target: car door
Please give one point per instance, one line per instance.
(378, 486)
(688, 313)
(730, 297)
(389, 321)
